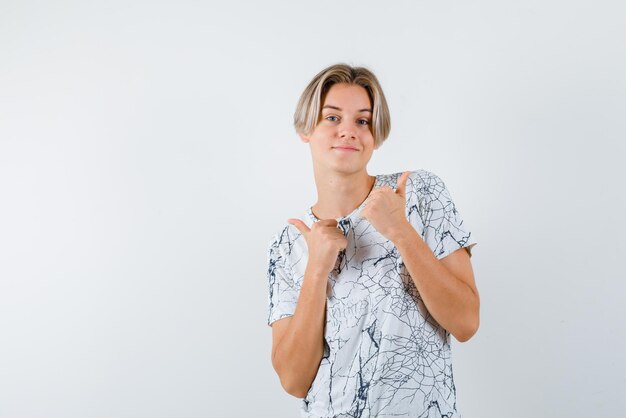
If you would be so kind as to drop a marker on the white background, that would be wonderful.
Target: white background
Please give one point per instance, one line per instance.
(147, 155)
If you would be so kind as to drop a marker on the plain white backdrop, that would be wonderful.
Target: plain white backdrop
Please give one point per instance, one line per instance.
(147, 155)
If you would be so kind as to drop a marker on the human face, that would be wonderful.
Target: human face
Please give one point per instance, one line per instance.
(342, 140)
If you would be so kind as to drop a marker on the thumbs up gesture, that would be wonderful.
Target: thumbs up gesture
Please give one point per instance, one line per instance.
(324, 242)
(386, 209)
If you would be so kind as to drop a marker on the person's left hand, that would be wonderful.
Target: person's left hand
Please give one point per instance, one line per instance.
(386, 209)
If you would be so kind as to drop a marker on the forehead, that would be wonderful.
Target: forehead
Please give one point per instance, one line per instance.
(347, 96)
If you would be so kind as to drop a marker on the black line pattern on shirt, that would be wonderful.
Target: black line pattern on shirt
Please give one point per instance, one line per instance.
(385, 355)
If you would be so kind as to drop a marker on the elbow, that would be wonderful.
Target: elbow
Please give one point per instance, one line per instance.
(296, 378)
(294, 388)
(290, 383)
(469, 331)
(464, 337)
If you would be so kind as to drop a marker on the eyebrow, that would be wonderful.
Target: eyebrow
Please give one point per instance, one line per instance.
(335, 107)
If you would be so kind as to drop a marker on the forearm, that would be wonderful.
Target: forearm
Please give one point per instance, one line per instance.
(300, 351)
(450, 301)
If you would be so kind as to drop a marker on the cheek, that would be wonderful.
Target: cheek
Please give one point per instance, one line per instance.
(323, 133)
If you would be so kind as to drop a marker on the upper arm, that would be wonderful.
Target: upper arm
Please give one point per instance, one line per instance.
(279, 329)
(459, 264)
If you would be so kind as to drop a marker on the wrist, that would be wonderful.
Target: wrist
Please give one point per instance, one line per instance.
(315, 274)
(403, 234)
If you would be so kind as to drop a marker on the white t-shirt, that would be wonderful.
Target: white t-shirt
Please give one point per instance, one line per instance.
(384, 355)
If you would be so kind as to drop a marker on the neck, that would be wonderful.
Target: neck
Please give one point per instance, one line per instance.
(338, 194)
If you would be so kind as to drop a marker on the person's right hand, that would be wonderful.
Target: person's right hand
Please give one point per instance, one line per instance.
(324, 242)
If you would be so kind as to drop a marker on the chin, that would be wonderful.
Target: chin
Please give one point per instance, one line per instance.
(347, 168)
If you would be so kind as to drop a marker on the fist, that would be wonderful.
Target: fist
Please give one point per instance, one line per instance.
(324, 241)
(386, 209)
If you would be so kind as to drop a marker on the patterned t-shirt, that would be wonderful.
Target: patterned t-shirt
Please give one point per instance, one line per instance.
(384, 354)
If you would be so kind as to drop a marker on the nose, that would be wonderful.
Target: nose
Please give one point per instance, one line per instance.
(346, 130)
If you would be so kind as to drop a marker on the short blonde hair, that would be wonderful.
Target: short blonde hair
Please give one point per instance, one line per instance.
(308, 110)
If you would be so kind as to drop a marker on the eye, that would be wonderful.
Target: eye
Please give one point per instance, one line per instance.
(331, 117)
(364, 120)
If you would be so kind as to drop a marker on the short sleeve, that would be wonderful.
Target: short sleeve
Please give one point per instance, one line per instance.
(283, 293)
(444, 228)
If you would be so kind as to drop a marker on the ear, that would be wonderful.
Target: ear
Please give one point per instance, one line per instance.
(303, 138)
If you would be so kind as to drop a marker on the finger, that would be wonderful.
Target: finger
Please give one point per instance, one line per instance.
(327, 222)
(374, 193)
(301, 226)
(401, 187)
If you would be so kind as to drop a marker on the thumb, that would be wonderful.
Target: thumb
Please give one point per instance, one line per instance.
(301, 226)
(401, 187)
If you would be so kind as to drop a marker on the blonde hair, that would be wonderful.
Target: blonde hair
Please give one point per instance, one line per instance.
(308, 109)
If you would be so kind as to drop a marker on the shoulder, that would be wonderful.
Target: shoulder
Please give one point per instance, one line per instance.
(417, 178)
(281, 243)
(422, 188)
(279, 239)
(420, 184)
(423, 180)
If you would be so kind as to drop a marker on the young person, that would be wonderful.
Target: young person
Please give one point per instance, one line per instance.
(366, 289)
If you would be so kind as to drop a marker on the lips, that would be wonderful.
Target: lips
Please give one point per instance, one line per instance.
(346, 148)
